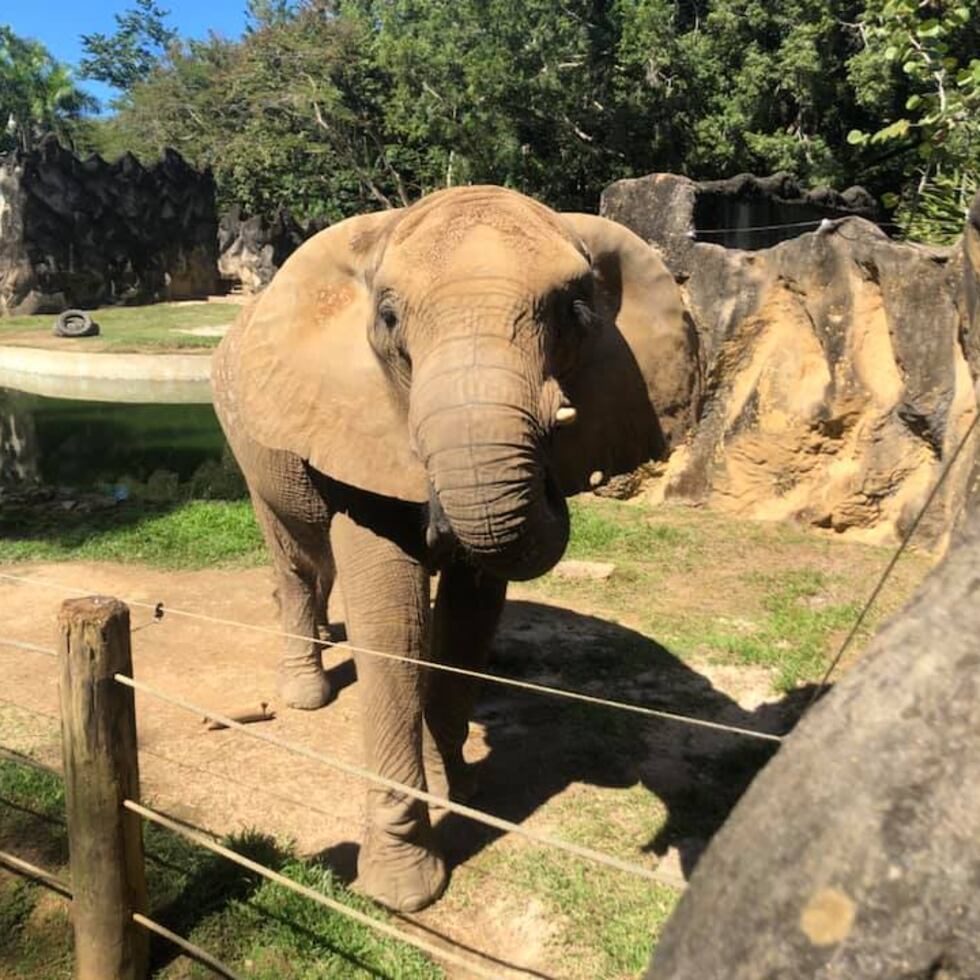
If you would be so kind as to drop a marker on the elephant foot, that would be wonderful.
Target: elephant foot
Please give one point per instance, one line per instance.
(402, 876)
(307, 691)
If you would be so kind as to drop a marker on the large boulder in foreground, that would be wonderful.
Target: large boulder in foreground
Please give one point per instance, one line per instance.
(856, 852)
(837, 380)
(87, 233)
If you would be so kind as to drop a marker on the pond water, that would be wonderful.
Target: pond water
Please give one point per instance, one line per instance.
(153, 451)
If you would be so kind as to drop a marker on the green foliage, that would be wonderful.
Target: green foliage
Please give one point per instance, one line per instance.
(936, 211)
(929, 51)
(129, 55)
(767, 88)
(333, 107)
(268, 13)
(37, 94)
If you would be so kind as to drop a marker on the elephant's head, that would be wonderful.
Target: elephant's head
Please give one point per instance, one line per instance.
(475, 351)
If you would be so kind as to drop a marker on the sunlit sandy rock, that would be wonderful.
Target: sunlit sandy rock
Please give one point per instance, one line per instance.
(836, 364)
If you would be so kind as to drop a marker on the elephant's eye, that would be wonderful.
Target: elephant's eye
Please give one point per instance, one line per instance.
(388, 315)
(583, 314)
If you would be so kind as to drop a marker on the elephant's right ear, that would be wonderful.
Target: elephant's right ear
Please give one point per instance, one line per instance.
(304, 377)
(636, 387)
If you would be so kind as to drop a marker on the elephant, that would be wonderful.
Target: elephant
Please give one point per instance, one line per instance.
(416, 392)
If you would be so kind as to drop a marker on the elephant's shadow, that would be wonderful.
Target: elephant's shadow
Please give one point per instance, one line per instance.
(537, 746)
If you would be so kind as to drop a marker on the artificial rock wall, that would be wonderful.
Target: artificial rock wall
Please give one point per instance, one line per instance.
(87, 233)
(251, 249)
(838, 373)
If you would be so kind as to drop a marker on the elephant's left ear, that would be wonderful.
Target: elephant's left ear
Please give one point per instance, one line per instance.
(636, 384)
(301, 376)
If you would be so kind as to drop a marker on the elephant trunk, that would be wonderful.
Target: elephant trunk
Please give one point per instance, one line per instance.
(476, 427)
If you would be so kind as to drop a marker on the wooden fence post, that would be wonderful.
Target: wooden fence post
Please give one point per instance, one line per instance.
(105, 841)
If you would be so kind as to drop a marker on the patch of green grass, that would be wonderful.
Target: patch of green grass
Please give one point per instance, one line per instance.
(608, 921)
(32, 814)
(132, 328)
(609, 529)
(772, 595)
(35, 937)
(196, 534)
(258, 928)
(793, 636)
(44, 792)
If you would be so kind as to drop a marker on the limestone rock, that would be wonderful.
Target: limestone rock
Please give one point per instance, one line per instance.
(86, 232)
(971, 334)
(20, 460)
(251, 249)
(836, 379)
(856, 852)
(575, 570)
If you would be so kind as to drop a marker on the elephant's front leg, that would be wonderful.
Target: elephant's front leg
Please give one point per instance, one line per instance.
(468, 607)
(304, 575)
(386, 592)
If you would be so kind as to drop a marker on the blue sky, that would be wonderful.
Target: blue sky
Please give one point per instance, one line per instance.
(58, 24)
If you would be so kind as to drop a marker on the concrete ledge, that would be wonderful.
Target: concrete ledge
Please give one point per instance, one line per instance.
(121, 367)
(139, 378)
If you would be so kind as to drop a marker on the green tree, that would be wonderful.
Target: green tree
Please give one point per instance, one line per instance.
(331, 106)
(37, 94)
(268, 13)
(127, 56)
(286, 117)
(928, 52)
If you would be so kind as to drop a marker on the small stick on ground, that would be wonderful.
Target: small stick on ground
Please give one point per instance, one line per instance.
(244, 716)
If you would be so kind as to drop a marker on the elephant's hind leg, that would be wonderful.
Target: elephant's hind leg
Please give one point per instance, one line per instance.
(303, 567)
(386, 594)
(468, 607)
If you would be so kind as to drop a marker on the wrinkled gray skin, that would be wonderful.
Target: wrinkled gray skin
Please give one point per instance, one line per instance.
(471, 340)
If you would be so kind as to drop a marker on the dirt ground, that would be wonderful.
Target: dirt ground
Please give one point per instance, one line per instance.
(559, 767)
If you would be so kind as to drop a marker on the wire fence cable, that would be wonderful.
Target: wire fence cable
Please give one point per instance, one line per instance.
(479, 816)
(22, 759)
(514, 682)
(24, 868)
(29, 647)
(498, 823)
(21, 867)
(821, 223)
(310, 893)
(821, 688)
(191, 949)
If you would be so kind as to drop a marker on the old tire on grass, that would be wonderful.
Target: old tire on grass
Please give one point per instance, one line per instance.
(855, 854)
(75, 323)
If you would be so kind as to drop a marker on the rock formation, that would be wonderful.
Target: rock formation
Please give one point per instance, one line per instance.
(856, 852)
(87, 233)
(752, 212)
(19, 451)
(971, 335)
(251, 250)
(836, 380)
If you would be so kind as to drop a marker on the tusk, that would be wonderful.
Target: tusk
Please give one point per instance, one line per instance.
(565, 415)
(597, 478)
